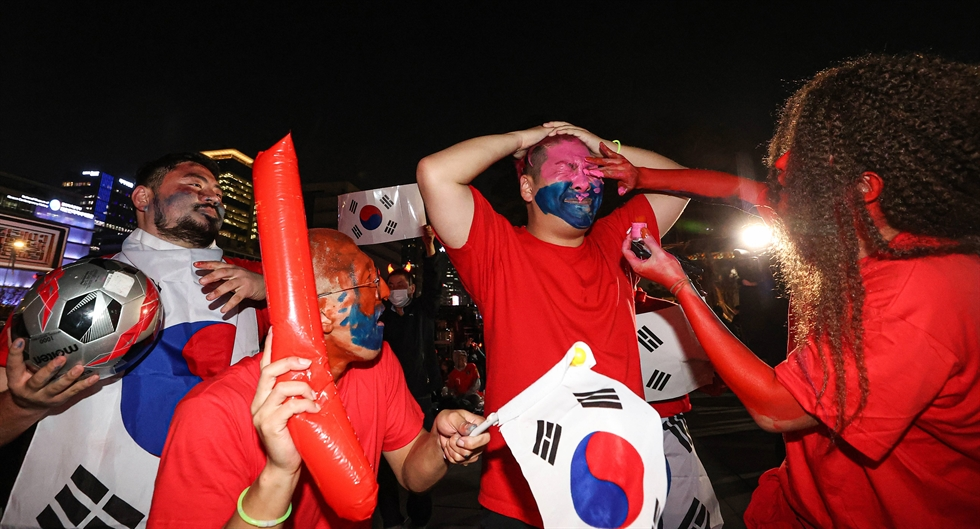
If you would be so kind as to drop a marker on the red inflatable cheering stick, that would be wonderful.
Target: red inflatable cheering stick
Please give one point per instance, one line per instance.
(325, 440)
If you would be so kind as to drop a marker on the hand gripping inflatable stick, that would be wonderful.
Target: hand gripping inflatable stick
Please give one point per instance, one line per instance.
(325, 440)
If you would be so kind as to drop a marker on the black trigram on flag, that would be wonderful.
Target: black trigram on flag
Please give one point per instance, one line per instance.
(658, 380)
(602, 398)
(697, 517)
(546, 441)
(76, 511)
(677, 426)
(390, 228)
(352, 207)
(648, 340)
(387, 202)
(357, 232)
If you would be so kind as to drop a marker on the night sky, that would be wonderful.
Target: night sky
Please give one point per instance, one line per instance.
(369, 88)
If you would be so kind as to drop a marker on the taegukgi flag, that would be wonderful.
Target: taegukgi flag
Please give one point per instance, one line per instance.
(591, 450)
(672, 361)
(381, 215)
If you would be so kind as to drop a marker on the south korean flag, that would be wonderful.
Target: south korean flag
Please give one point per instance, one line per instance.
(672, 361)
(591, 450)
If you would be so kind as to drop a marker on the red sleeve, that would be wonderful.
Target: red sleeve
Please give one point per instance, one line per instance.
(404, 417)
(4, 338)
(906, 369)
(212, 453)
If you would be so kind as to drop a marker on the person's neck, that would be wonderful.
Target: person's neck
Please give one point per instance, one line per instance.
(555, 231)
(177, 242)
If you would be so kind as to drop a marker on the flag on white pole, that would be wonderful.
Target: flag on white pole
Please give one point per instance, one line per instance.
(672, 360)
(381, 215)
(591, 450)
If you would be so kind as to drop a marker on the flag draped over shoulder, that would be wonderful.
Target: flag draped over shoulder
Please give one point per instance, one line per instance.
(591, 450)
(381, 215)
(672, 360)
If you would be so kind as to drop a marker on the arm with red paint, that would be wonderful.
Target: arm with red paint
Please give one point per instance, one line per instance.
(702, 185)
(752, 380)
(444, 178)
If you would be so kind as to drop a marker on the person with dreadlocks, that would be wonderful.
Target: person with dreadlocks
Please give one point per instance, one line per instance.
(874, 191)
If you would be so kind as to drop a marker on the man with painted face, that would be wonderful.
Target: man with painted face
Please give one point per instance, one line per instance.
(410, 329)
(541, 287)
(232, 429)
(208, 325)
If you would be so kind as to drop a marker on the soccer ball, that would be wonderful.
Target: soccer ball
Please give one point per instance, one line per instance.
(100, 313)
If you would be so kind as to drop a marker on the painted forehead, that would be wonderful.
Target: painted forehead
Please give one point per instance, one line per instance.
(567, 151)
(338, 264)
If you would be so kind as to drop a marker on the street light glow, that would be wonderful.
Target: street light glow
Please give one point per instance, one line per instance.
(756, 236)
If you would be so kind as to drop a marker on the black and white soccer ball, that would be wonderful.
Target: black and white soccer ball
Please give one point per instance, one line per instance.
(100, 313)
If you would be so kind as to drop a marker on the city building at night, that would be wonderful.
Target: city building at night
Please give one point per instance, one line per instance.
(107, 198)
(239, 233)
(41, 227)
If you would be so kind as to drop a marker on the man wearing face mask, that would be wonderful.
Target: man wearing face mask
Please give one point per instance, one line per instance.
(541, 287)
(409, 328)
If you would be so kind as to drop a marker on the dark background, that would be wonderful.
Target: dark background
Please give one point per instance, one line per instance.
(369, 88)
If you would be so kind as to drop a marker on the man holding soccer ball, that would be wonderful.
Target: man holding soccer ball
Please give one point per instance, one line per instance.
(85, 426)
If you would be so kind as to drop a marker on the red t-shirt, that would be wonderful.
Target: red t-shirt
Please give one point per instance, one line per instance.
(912, 458)
(213, 452)
(460, 381)
(537, 299)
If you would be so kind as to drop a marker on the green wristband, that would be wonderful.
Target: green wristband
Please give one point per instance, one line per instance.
(261, 523)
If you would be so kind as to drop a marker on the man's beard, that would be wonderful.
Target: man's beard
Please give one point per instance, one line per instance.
(187, 229)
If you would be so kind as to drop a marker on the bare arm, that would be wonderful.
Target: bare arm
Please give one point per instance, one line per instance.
(752, 380)
(422, 462)
(444, 178)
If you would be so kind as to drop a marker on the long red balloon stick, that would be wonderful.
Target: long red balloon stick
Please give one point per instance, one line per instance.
(325, 440)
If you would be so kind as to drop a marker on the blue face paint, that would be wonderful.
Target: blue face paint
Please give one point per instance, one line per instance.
(364, 329)
(580, 210)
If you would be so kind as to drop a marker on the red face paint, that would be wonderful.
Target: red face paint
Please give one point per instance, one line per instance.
(781, 163)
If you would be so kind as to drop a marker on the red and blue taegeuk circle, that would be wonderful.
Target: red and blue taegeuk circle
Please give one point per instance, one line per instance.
(607, 481)
(370, 217)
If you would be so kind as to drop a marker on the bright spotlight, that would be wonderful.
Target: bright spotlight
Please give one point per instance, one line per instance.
(756, 236)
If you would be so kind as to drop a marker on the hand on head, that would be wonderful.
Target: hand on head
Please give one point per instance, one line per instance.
(225, 278)
(616, 167)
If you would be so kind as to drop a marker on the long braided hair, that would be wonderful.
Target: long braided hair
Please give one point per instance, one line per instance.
(914, 121)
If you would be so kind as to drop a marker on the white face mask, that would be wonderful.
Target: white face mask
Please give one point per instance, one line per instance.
(399, 298)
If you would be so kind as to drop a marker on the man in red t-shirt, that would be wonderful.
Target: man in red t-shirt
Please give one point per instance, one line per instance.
(233, 428)
(541, 287)
(875, 183)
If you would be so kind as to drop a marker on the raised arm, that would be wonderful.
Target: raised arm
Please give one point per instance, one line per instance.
(752, 380)
(444, 178)
(705, 186)
(666, 207)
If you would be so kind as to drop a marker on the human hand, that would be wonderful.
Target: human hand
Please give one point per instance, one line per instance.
(275, 403)
(452, 427)
(36, 392)
(564, 128)
(660, 266)
(615, 166)
(529, 137)
(428, 239)
(225, 277)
